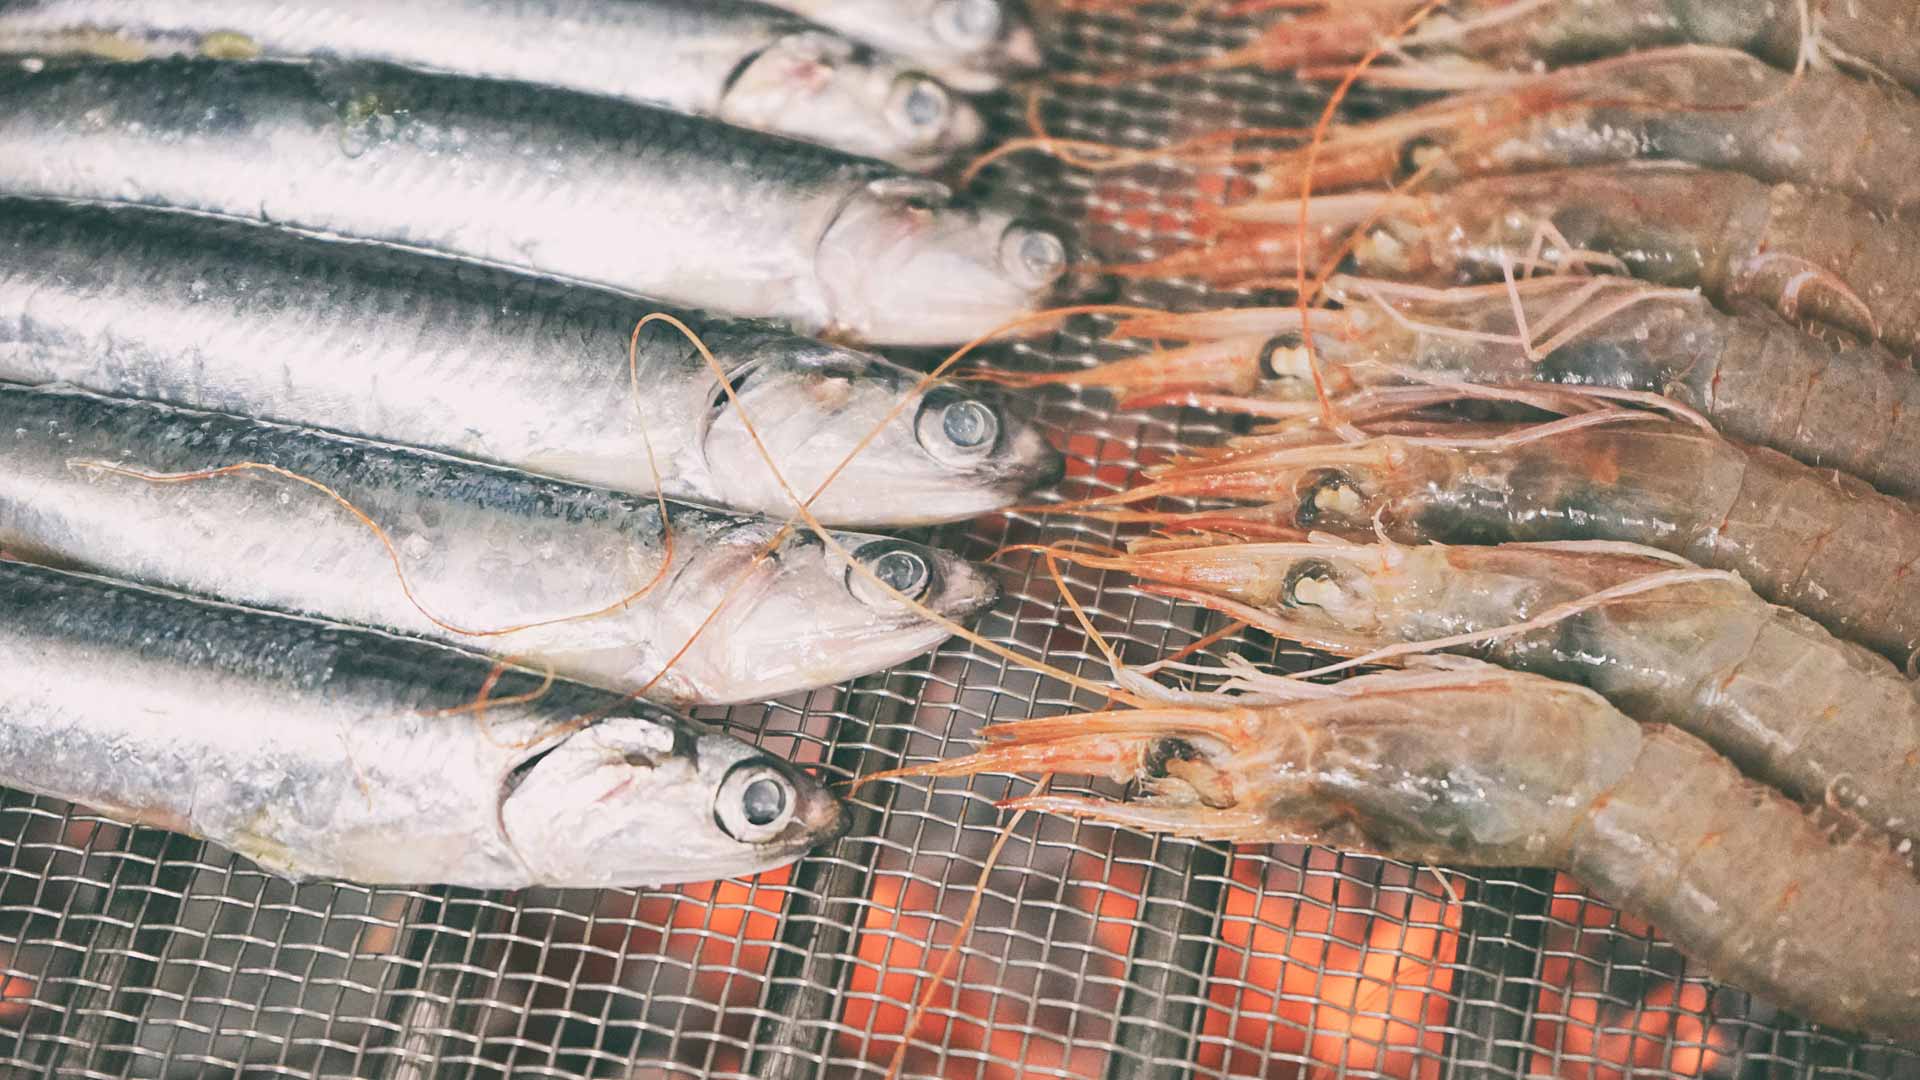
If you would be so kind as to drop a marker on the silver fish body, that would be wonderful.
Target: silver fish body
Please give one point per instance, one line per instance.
(324, 751)
(971, 44)
(645, 201)
(476, 550)
(490, 365)
(743, 63)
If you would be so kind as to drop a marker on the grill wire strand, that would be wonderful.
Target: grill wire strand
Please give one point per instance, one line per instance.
(1097, 952)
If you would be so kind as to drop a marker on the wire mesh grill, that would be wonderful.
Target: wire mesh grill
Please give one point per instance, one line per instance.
(1097, 952)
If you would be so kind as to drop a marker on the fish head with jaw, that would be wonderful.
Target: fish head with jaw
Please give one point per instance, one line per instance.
(911, 455)
(905, 263)
(645, 798)
(766, 621)
(823, 88)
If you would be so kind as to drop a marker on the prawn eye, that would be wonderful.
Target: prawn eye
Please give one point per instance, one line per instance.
(1309, 573)
(1277, 354)
(1417, 154)
(1328, 495)
(754, 803)
(1154, 760)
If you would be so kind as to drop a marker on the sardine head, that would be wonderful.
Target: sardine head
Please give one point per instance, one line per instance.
(973, 43)
(825, 89)
(648, 799)
(905, 264)
(803, 618)
(943, 454)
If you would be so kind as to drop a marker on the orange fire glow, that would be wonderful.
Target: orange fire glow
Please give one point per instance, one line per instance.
(1596, 1039)
(16, 993)
(1325, 981)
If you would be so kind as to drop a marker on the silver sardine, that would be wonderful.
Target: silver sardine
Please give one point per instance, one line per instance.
(476, 550)
(646, 201)
(489, 365)
(318, 750)
(743, 63)
(971, 44)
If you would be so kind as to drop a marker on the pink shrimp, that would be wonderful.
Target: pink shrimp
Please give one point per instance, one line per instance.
(1478, 766)
(1819, 541)
(1817, 253)
(1758, 378)
(1881, 36)
(1718, 108)
(1824, 720)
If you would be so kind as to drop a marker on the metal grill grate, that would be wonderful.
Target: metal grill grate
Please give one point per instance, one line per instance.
(128, 952)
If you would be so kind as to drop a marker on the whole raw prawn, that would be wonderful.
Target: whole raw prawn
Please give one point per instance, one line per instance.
(1803, 250)
(1479, 766)
(1819, 541)
(1879, 36)
(1824, 720)
(1714, 107)
(1758, 378)
(1809, 252)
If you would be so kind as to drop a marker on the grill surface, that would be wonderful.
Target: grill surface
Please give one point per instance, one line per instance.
(129, 952)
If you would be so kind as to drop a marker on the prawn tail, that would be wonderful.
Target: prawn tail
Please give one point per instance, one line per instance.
(1761, 878)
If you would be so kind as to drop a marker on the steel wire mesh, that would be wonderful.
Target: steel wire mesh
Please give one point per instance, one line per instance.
(1097, 952)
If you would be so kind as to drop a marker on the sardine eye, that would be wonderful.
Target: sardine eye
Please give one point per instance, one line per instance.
(919, 108)
(755, 802)
(970, 24)
(957, 428)
(1033, 258)
(1310, 572)
(969, 424)
(765, 800)
(898, 566)
(1328, 495)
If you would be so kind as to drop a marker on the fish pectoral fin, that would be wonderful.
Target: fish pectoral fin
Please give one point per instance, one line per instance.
(269, 854)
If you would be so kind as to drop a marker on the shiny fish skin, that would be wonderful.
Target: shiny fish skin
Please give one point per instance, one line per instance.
(482, 549)
(645, 201)
(971, 44)
(485, 364)
(744, 63)
(320, 750)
